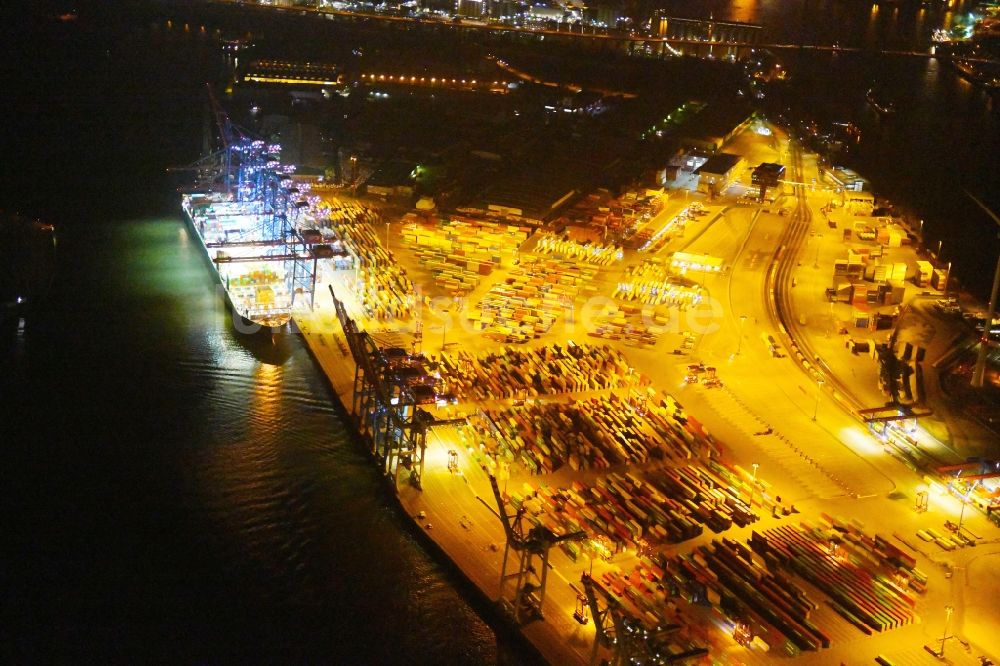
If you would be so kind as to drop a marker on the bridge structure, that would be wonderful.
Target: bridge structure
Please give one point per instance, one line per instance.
(723, 43)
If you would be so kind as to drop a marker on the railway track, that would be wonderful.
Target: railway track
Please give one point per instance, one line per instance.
(780, 281)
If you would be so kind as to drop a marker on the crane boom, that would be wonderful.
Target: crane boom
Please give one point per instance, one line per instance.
(221, 119)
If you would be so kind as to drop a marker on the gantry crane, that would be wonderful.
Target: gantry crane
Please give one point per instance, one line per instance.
(390, 386)
(387, 414)
(214, 169)
(628, 639)
(532, 547)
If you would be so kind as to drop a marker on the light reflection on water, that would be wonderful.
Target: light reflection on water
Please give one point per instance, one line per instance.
(233, 480)
(825, 21)
(872, 27)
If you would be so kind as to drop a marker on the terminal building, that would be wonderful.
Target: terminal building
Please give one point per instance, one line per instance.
(718, 172)
(845, 178)
(714, 126)
(469, 8)
(504, 9)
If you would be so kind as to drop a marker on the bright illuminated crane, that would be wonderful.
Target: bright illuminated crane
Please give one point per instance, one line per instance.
(629, 640)
(532, 546)
(248, 170)
(390, 386)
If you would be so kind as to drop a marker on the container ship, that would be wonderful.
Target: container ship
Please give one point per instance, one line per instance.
(882, 105)
(248, 263)
(257, 224)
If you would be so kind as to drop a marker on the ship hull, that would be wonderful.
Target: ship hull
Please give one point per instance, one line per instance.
(243, 324)
(883, 108)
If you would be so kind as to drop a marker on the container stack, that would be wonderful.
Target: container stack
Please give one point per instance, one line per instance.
(255, 291)
(631, 324)
(642, 594)
(652, 283)
(385, 294)
(613, 511)
(514, 373)
(530, 301)
(708, 498)
(384, 290)
(592, 253)
(862, 584)
(460, 251)
(620, 509)
(594, 433)
(726, 574)
(599, 216)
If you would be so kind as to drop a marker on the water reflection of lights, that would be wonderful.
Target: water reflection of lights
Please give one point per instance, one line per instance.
(265, 399)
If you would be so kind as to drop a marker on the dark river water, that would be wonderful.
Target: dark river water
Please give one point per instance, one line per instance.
(174, 493)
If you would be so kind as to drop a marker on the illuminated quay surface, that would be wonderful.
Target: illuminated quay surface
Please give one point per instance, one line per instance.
(655, 429)
(683, 474)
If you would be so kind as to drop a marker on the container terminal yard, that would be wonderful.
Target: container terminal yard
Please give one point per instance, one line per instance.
(700, 423)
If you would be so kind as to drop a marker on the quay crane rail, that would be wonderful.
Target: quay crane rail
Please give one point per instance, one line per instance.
(532, 547)
(629, 640)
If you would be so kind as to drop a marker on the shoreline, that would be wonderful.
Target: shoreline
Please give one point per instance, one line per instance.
(485, 605)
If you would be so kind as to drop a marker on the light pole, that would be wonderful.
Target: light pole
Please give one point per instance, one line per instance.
(938, 255)
(739, 343)
(947, 278)
(753, 483)
(819, 390)
(948, 610)
(386, 236)
(819, 242)
(961, 514)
